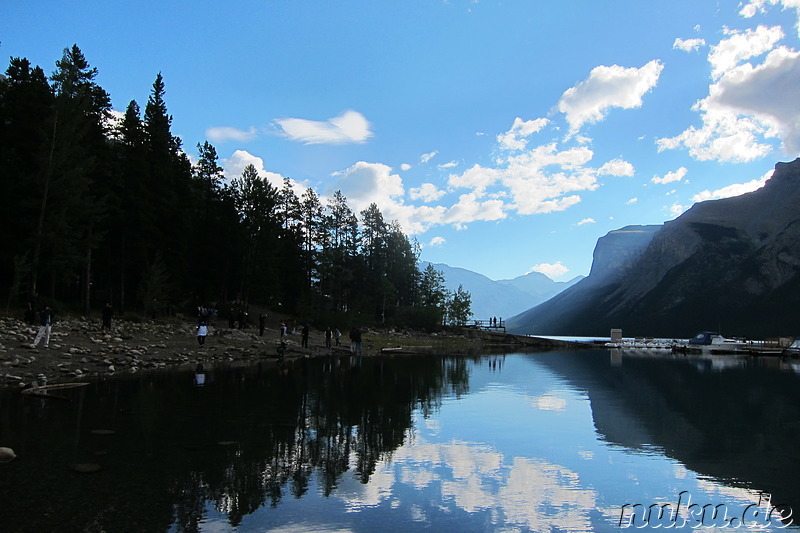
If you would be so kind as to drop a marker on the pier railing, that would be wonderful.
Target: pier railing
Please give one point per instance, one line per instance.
(491, 324)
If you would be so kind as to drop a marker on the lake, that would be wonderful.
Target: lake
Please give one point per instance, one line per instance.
(592, 440)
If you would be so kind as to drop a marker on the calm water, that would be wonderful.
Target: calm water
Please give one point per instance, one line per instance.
(557, 441)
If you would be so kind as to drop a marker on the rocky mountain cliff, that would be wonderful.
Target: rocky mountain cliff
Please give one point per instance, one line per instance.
(731, 265)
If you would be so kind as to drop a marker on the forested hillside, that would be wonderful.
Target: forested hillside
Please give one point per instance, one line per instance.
(101, 209)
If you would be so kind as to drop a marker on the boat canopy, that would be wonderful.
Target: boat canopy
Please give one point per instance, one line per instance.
(703, 338)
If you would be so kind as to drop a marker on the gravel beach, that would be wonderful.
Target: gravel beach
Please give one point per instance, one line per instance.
(78, 349)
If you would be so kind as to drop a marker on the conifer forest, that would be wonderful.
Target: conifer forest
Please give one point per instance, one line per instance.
(98, 208)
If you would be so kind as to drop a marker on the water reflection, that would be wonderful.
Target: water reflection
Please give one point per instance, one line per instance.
(528, 442)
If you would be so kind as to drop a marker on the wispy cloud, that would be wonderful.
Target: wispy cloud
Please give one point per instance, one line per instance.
(224, 133)
(349, 127)
(437, 241)
(424, 158)
(586, 221)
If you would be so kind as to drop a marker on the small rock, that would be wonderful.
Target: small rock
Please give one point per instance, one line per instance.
(6, 455)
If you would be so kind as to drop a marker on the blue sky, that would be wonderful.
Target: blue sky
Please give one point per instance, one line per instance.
(506, 136)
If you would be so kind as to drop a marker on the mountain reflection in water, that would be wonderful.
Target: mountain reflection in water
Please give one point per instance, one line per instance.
(528, 442)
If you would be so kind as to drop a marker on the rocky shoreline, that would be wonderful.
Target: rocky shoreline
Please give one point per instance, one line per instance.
(79, 351)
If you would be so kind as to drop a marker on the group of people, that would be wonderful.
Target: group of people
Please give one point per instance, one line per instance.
(204, 314)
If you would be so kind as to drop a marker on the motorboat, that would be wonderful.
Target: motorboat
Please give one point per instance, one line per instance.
(710, 342)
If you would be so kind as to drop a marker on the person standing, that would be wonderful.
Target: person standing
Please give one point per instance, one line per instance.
(108, 312)
(45, 326)
(262, 323)
(328, 335)
(202, 331)
(306, 329)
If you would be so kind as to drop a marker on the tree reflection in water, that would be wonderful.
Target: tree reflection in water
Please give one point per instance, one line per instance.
(249, 437)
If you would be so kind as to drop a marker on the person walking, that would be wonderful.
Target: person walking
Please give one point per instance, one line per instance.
(337, 335)
(45, 326)
(306, 329)
(262, 323)
(328, 335)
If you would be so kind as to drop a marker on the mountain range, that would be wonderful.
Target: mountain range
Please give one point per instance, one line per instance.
(501, 298)
(730, 265)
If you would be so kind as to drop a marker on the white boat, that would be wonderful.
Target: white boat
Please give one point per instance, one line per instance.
(710, 342)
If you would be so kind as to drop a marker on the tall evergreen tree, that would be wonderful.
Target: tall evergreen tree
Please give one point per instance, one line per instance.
(26, 108)
(168, 182)
(66, 229)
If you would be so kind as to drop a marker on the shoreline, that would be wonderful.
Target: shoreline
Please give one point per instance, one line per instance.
(78, 349)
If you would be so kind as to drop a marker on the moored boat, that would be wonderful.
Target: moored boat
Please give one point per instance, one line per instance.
(710, 342)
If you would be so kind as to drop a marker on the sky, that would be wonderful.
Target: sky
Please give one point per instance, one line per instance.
(504, 136)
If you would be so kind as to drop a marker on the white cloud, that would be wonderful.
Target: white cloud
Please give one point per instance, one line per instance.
(349, 127)
(542, 180)
(551, 270)
(747, 104)
(632, 201)
(225, 133)
(669, 177)
(514, 139)
(535, 188)
(424, 158)
(365, 183)
(755, 6)
(735, 189)
(427, 192)
(607, 87)
(741, 46)
(617, 167)
(586, 221)
(451, 164)
(477, 177)
(437, 241)
(470, 209)
(234, 166)
(688, 45)
(405, 166)
(676, 210)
